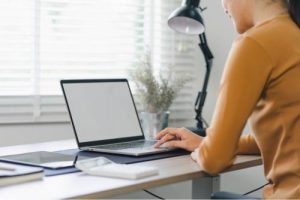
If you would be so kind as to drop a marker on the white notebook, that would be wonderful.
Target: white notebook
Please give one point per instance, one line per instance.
(13, 173)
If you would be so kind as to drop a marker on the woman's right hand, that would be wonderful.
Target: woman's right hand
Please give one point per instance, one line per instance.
(178, 137)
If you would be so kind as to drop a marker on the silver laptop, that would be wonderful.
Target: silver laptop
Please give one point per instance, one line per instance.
(104, 117)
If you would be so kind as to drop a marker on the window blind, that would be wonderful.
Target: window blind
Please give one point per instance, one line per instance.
(16, 59)
(44, 41)
(173, 49)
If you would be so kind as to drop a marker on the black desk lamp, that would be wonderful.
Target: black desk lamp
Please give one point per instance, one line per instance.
(187, 19)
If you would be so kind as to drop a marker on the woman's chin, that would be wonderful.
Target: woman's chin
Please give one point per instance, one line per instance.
(241, 29)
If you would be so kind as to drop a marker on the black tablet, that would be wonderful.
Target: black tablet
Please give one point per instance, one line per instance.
(46, 159)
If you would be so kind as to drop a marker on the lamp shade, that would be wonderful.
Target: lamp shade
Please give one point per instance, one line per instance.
(187, 18)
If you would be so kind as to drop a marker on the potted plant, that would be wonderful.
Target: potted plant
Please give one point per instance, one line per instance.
(156, 93)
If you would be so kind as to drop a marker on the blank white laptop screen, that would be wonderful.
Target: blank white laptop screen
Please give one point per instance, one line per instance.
(102, 110)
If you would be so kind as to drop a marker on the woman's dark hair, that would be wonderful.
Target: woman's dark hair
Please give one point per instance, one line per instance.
(294, 10)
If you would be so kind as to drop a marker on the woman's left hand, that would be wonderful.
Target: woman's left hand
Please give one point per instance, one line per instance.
(178, 137)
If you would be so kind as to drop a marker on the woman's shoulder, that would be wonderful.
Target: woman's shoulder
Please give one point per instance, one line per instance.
(278, 37)
(274, 30)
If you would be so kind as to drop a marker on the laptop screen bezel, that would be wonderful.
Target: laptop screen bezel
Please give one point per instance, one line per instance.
(99, 142)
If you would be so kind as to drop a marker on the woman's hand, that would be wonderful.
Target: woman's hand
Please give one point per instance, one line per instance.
(178, 137)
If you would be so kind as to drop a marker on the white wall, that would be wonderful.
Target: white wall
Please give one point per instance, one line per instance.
(220, 34)
(32, 133)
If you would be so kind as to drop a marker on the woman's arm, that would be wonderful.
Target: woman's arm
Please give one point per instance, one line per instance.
(248, 145)
(245, 76)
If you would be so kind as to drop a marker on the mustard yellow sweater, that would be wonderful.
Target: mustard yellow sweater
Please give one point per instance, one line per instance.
(261, 80)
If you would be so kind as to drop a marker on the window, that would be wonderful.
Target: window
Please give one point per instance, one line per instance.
(43, 41)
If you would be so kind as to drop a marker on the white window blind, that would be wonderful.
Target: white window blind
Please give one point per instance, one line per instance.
(177, 50)
(44, 41)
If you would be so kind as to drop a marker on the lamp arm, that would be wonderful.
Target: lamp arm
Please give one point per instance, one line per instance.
(208, 56)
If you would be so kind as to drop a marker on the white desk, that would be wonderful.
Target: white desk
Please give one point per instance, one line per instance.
(80, 185)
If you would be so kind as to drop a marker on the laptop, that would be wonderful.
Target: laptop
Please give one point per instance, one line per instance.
(104, 117)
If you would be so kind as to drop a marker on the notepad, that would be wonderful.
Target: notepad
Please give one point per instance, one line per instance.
(13, 174)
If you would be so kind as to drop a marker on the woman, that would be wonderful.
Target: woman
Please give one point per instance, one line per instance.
(261, 79)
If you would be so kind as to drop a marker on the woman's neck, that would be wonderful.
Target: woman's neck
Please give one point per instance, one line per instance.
(266, 11)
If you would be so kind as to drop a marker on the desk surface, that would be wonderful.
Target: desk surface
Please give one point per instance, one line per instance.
(80, 185)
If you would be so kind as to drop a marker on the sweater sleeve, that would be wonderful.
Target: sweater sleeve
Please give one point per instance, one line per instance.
(245, 75)
(248, 145)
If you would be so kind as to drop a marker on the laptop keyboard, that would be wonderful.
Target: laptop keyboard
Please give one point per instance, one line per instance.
(143, 144)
